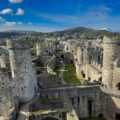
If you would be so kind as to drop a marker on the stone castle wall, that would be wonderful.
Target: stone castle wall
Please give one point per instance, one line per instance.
(82, 98)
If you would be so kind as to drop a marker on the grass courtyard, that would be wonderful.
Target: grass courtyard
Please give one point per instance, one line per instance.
(70, 76)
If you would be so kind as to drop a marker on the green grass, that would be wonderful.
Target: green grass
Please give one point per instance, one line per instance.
(70, 75)
(56, 70)
(33, 51)
(92, 119)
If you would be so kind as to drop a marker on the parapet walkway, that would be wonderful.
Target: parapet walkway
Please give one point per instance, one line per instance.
(71, 87)
(110, 92)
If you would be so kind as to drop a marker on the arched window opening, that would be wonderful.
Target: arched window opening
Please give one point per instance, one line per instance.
(118, 86)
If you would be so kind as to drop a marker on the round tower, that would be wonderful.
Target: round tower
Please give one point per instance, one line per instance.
(79, 55)
(22, 69)
(39, 48)
(87, 59)
(86, 55)
(3, 60)
(110, 54)
(79, 61)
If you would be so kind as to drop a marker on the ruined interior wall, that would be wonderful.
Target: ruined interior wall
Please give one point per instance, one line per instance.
(112, 108)
(116, 79)
(89, 70)
(93, 73)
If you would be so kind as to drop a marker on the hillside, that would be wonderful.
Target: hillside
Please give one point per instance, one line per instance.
(87, 33)
(78, 32)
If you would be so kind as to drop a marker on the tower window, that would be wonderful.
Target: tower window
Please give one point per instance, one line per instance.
(118, 86)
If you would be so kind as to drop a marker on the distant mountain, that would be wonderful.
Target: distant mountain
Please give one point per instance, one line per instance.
(87, 33)
(78, 32)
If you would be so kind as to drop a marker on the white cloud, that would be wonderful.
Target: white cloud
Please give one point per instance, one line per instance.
(11, 24)
(2, 19)
(30, 23)
(20, 12)
(15, 1)
(104, 28)
(6, 11)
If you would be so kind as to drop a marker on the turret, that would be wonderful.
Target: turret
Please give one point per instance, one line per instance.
(79, 55)
(87, 59)
(39, 47)
(79, 61)
(86, 53)
(111, 49)
(3, 60)
(21, 68)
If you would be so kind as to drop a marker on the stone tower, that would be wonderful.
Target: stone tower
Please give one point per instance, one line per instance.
(86, 59)
(3, 60)
(110, 55)
(21, 68)
(86, 55)
(79, 55)
(39, 47)
(79, 61)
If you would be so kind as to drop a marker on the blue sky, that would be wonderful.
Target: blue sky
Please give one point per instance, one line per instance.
(52, 15)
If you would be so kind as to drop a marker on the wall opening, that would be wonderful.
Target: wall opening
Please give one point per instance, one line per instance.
(118, 86)
(117, 116)
(64, 117)
(78, 100)
(90, 108)
(100, 79)
(83, 74)
(89, 78)
(99, 59)
(71, 61)
(72, 100)
(62, 57)
(100, 115)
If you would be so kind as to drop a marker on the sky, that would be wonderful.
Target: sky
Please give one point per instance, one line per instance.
(53, 15)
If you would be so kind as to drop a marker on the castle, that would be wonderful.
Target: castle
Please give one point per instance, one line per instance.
(30, 89)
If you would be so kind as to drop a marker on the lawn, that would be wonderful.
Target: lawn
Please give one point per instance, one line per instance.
(57, 71)
(70, 76)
